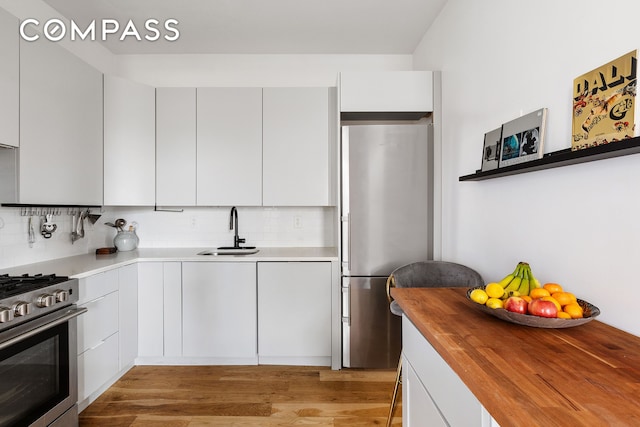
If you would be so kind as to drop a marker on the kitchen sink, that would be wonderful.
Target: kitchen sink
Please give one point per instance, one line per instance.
(236, 247)
(229, 250)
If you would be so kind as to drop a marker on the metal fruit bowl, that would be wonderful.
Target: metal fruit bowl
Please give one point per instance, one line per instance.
(590, 313)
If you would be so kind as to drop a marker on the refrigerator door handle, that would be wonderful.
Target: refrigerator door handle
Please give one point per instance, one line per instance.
(349, 241)
(346, 319)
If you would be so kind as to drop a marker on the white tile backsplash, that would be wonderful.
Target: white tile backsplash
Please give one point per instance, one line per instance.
(193, 227)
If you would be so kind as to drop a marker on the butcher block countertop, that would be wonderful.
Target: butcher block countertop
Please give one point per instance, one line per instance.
(587, 375)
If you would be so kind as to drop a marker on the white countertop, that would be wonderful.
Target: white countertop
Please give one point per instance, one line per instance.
(85, 265)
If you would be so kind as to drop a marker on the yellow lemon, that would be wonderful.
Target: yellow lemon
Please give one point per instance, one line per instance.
(479, 296)
(494, 290)
(563, 315)
(494, 303)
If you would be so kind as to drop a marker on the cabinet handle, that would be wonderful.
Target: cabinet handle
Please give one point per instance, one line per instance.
(93, 301)
(97, 345)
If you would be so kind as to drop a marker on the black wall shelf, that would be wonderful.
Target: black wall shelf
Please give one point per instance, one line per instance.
(560, 158)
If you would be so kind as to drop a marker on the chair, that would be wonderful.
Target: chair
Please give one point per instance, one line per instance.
(426, 274)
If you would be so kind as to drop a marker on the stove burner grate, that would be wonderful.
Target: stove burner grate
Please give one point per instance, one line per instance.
(15, 285)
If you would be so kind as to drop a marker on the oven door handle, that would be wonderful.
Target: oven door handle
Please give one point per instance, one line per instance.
(44, 323)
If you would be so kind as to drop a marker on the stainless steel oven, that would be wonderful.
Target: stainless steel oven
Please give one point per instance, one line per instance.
(38, 354)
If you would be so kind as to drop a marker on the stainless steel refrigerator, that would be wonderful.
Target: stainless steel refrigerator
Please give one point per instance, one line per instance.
(387, 217)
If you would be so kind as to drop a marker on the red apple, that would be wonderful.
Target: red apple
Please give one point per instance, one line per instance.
(516, 304)
(542, 308)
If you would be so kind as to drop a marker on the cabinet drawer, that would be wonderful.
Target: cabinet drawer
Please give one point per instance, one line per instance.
(92, 287)
(418, 408)
(99, 322)
(443, 385)
(97, 366)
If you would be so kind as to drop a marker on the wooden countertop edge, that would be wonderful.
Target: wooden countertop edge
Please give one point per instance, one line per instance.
(530, 376)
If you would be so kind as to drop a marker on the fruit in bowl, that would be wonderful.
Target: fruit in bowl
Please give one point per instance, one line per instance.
(542, 308)
(520, 298)
(516, 305)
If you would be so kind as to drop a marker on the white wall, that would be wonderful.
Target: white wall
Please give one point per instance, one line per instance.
(194, 227)
(577, 225)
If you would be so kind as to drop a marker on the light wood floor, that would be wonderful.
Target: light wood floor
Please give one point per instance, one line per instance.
(245, 396)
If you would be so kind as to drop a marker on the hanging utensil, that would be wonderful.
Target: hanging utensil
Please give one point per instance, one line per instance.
(93, 218)
(83, 215)
(32, 233)
(120, 223)
(74, 225)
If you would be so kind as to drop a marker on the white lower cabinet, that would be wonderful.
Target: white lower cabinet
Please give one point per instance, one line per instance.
(219, 312)
(96, 367)
(419, 408)
(98, 358)
(294, 313)
(432, 393)
(159, 311)
(128, 315)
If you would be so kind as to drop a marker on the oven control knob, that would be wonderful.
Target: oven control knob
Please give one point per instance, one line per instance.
(61, 296)
(45, 300)
(21, 308)
(6, 314)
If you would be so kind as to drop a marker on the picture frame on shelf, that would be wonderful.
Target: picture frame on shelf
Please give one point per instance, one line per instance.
(522, 139)
(491, 150)
(604, 99)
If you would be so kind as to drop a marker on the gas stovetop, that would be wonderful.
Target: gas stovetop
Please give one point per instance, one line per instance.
(28, 296)
(16, 285)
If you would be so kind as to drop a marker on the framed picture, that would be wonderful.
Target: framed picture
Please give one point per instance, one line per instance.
(491, 150)
(604, 107)
(522, 139)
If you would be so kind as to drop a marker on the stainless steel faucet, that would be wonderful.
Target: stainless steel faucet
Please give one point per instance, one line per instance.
(233, 224)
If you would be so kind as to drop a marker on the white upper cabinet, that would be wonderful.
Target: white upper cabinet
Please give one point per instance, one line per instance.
(229, 146)
(386, 91)
(297, 147)
(176, 146)
(129, 143)
(60, 127)
(9, 79)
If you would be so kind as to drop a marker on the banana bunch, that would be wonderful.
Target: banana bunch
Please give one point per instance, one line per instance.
(520, 282)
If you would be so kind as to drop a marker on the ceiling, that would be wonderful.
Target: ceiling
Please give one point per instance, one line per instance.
(263, 26)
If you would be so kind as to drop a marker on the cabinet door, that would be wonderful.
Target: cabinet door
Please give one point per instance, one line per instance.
(417, 408)
(294, 312)
(176, 146)
(128, 304)
(219, 310)
(296, 147)
(99, 294)
(172, 290)
(129, 143)
(386, 91)
(60, 127)
(229, 164)
(97, 366)
(99, 322)
(9, 79)
(150, 309)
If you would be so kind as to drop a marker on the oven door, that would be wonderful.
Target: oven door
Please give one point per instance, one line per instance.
(38, 369)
